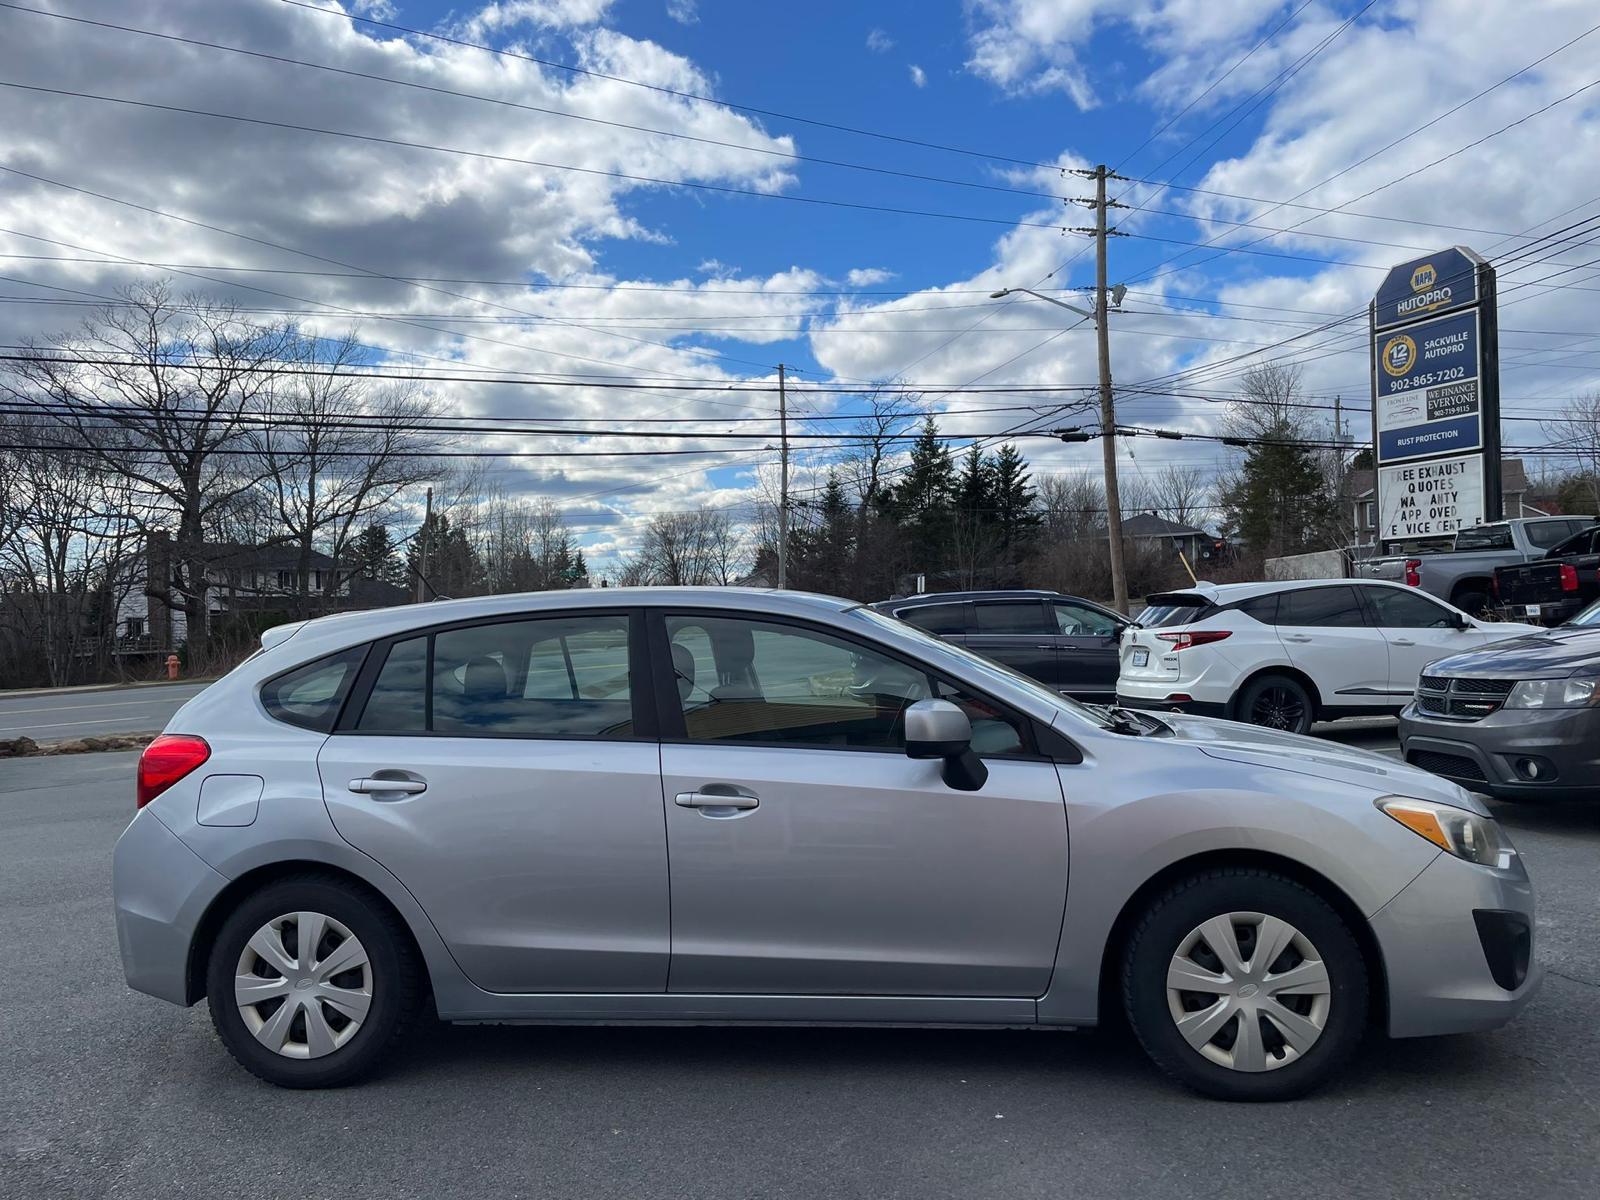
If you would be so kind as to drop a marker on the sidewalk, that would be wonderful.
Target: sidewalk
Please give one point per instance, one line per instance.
(25, 693)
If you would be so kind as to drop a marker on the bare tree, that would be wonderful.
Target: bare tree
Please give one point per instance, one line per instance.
(337, 453)
(1179, 493)
(700, 548)
(162, 392)
(1577, 430)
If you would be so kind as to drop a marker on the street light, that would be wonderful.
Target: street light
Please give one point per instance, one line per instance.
(1108, 424)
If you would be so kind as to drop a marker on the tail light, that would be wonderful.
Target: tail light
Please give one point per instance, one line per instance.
(165, 761)
(1569, 577)
(1200, 637)
(1413, 572)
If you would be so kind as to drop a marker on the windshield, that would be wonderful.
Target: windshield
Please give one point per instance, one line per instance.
(1589, 618)
(1486, 537)
(987, 666)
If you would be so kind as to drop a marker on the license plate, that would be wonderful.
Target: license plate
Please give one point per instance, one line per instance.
(1141, 657)
(1532, 610)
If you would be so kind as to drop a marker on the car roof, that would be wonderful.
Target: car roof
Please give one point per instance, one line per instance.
(1229, 593)
(960, 597)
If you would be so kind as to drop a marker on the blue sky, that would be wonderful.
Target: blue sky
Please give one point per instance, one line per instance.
(1264, 104)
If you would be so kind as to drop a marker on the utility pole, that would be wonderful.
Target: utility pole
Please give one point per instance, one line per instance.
(783, 482)
(1108, 416)
(423, 535)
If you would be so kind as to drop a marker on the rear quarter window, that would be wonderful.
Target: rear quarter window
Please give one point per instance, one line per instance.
(310, 696)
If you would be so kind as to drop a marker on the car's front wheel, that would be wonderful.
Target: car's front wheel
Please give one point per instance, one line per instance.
(1276, 702)
(311, 982)
(1245, 985)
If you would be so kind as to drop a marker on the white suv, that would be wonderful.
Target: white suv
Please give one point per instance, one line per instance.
(1287, 654)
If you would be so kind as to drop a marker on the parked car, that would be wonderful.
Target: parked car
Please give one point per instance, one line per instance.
(1066, 642)
(716, 805)
(1287, 654)
(1463, 575)
(1561, 584)
(1519, 720)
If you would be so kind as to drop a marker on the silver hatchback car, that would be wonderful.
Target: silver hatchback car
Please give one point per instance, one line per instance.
(705, 806)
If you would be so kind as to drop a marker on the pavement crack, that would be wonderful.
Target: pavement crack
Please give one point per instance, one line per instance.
(1573, 978)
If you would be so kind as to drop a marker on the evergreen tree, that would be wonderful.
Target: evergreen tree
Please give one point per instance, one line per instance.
(372, 555)
(1278, 503)
(923, 500)
(1016, 514)
(453, 566)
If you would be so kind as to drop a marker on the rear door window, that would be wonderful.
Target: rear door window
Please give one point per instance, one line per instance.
(1329, 607)
(1013, 616)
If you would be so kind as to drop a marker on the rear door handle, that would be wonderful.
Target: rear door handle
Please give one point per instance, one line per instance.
(372, 786)
(714, 800)
(1296, 637)
(1049, 646)
(1401, 642)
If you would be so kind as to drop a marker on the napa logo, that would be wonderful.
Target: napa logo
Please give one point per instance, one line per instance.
(1426, 294)
(1399, 354)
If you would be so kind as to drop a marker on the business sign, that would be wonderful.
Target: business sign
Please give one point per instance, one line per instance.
(1426, 392)
(1442, 282)
(1430, 499)
(1435, 396)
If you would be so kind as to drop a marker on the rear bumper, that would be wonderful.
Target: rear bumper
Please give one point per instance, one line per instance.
(161, 889)
(1485, 756)
(1156, 695)
(1452, 940)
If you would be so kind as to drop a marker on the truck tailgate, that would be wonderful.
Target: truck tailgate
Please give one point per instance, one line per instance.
(1531, 583)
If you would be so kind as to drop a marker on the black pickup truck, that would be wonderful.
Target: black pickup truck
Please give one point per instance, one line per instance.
(1555, 587)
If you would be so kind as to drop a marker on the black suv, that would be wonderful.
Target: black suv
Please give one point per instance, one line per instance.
(1064, 641)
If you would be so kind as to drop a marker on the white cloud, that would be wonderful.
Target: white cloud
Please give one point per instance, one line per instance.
(540, 14)
(918, 76)
(879, 42)
(867, 276)
(684, 12)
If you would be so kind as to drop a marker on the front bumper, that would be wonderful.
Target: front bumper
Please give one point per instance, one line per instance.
(1484, 756)
(161, 889)
(1446, 938)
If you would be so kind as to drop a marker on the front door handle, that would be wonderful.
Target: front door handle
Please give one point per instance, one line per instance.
(715, 800)
(1401, 642)
(373, 786)
(1296, 637)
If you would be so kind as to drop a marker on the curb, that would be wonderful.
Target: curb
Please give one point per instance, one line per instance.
(26, 747)
(28, 693)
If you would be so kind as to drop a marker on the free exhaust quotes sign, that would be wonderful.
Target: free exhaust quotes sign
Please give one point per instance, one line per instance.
(1425, 499)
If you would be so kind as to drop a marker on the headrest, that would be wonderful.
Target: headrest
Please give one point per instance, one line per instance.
(683, 669)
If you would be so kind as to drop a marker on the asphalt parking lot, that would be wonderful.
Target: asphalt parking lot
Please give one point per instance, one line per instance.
(109, 1093)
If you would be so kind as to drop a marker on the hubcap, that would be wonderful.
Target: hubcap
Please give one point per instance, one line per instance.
(1277, 708)
(1248, 991)
(303, 985)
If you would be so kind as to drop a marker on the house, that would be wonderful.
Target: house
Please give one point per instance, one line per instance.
(1146, 530)
(1358, 503)
(239, 578)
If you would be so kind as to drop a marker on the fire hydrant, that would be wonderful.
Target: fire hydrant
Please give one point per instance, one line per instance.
(172, 666)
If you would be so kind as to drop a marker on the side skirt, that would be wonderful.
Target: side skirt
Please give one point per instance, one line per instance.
(675, 1009)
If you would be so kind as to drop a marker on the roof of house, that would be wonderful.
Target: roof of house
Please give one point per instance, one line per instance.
(1150, 525)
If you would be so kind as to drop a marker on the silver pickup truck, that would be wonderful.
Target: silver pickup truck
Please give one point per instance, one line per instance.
(1463, 574)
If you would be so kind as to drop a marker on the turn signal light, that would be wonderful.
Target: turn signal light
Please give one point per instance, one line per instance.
(165, 761)
(1200, 637)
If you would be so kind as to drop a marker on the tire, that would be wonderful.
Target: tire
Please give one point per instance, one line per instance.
(1276, 702)
(1291, 1054)
(1473, 601)
(350, 1019)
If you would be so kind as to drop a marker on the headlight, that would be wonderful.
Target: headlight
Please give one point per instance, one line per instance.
(1455, 830)
(1553, 693)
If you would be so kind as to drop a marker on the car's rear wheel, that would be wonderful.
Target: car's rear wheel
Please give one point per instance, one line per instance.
(311, 982)
(1244, 985)
(1277, 702)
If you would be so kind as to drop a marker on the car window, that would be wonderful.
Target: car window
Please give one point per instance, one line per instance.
(1081, 620)
(995, 732)
(1324, 606)
(1011, 616)
(1261, 608)
(1577, 544)
(1546, 534)
(936, 618)
(547, 677)
(311, 696)
(399, 697)
(1489, 537)
(1174, 610)
(1396, 609)
(742, 680)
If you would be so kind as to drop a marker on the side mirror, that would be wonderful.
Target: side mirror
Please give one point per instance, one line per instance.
(1463, 622)
(938, 729)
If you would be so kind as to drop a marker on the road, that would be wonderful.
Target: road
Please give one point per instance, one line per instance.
(72, 714)
(110, 1093)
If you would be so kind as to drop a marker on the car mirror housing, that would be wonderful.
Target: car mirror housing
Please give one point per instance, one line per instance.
(938, 729)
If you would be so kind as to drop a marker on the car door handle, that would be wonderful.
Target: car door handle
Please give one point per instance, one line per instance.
(1051, 646)
(372, 786)
(1401, 642)
(714, 800)
(1296, 637)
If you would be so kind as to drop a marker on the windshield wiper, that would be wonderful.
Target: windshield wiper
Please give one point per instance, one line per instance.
(1120, 720)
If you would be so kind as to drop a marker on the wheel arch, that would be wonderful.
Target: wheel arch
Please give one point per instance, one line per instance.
(1110, 1003)
(1283, 669)
(225, 901)
(1462, 587)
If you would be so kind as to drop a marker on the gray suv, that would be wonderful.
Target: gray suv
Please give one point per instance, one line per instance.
(721, 805)
(1519, 720)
